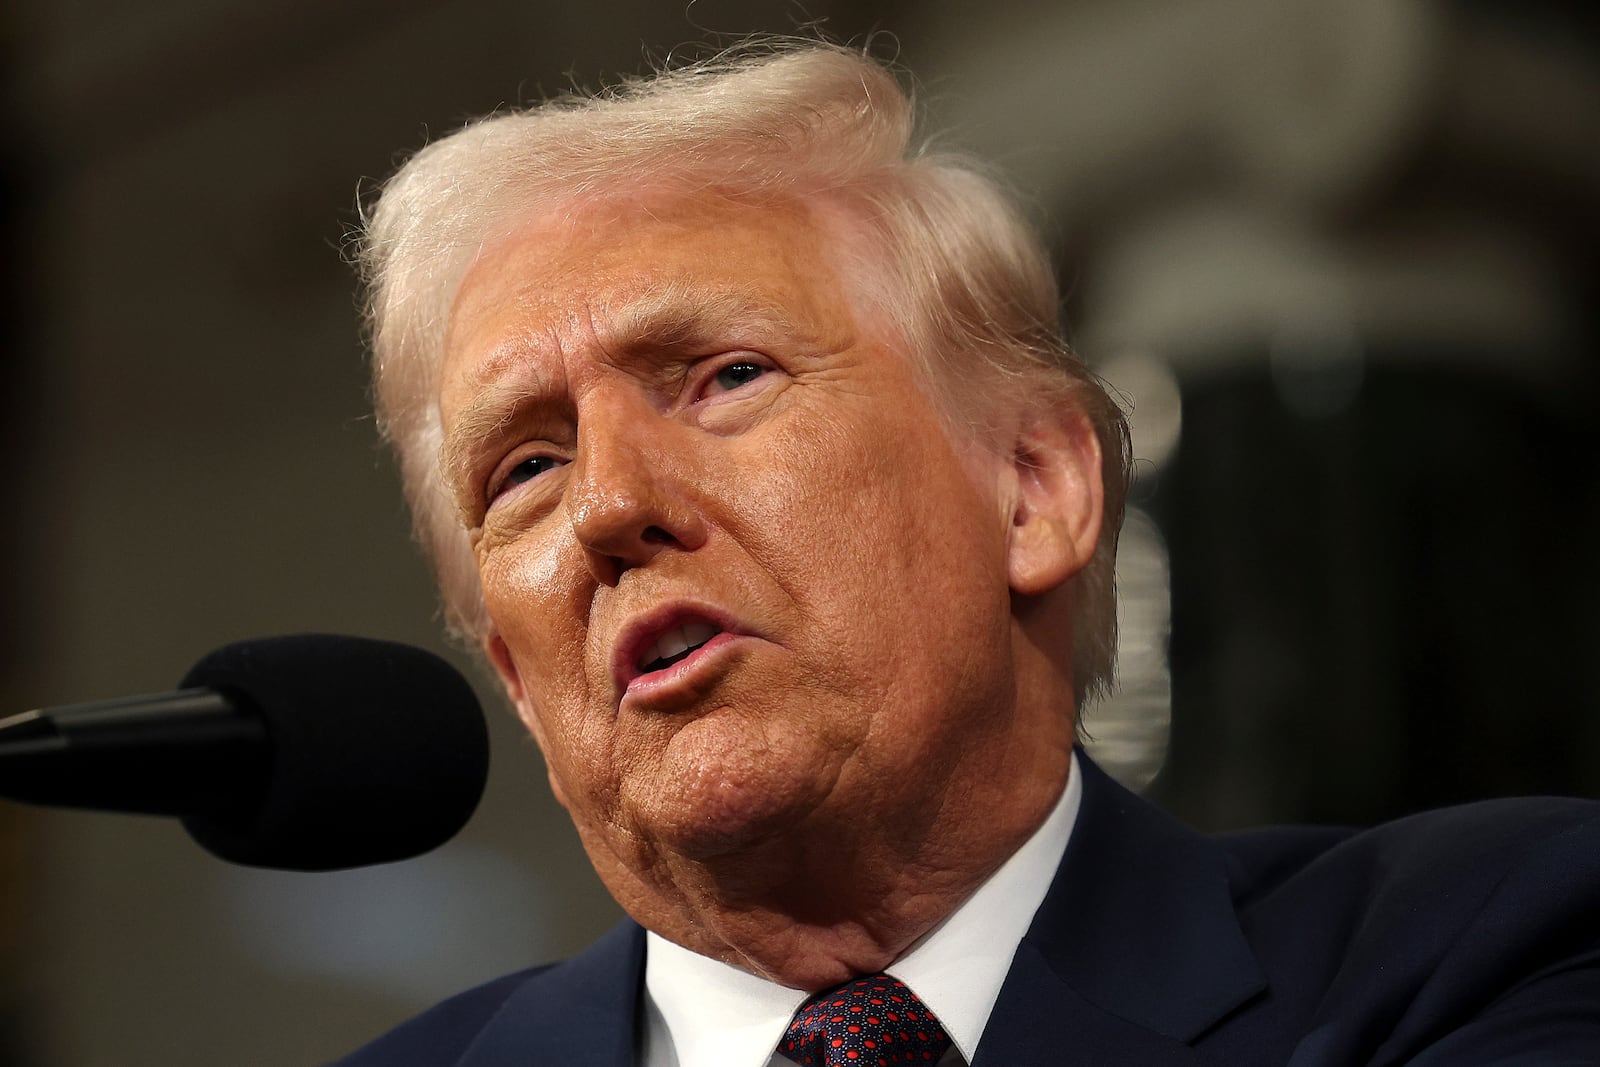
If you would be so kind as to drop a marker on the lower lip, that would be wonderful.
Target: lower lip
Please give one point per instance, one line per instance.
(684, 678)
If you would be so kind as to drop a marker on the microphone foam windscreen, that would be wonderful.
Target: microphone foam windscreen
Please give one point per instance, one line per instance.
(379, 752)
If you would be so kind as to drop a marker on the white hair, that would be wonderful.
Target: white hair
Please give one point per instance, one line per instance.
(957, 271)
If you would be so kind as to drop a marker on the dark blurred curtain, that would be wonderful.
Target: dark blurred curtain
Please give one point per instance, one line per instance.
(1390, 604)
(1382, 610)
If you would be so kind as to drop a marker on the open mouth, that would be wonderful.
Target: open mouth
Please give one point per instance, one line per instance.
(674, 645)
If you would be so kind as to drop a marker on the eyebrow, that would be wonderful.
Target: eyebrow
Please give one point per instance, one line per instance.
(665, 318)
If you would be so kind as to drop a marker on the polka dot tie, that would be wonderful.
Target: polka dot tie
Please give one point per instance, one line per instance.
(871, 1022)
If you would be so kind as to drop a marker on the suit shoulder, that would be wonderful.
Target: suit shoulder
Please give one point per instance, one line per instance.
(1489, 893)
(1490, 840)
(441, 1034)
(583, 1006)
(1488, 837)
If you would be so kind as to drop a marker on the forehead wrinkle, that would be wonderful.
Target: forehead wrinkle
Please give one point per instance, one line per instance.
(669, 315)
(678, 314)
(650, 315)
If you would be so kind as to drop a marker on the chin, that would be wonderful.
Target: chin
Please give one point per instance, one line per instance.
(725, 807)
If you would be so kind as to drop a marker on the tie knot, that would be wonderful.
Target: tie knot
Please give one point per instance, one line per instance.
(871, 1022)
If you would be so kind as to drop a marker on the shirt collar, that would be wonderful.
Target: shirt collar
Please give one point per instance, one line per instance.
(714, 1013)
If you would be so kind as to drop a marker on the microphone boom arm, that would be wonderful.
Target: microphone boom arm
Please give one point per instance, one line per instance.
(76, 755)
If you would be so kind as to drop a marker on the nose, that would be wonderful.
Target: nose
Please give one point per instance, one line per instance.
(630, 495)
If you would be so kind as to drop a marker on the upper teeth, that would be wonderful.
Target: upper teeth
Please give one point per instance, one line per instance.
(677, 640)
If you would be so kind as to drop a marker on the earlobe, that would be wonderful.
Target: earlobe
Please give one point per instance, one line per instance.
(505, 669)
(499, 656)
(1059, 500)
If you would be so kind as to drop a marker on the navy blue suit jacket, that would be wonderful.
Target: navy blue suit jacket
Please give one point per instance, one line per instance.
(1468, 936)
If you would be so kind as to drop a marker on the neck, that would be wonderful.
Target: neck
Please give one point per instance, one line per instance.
(838, 898)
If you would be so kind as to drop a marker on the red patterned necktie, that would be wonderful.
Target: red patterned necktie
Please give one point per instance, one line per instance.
(871, 1022)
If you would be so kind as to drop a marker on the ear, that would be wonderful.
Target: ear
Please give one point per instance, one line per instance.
(1059, 499)
(505, 668)
(499, 656)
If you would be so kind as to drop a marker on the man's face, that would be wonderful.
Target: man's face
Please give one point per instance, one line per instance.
(744, 582)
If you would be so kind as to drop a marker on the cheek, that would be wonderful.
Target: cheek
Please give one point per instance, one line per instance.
(881, 519)
(533, 587)
(538, 608)
(524, 594)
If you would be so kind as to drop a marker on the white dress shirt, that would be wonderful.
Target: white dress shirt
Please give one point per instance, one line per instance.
(700, 1012)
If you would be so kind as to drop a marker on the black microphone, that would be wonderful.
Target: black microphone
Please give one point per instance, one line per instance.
(309, 752)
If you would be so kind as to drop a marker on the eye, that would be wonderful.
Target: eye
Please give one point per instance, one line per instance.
(525, 471)
(529, 469)
(734, 375)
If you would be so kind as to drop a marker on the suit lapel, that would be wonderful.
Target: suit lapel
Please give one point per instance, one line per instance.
(580, 1013)
(1136, 950)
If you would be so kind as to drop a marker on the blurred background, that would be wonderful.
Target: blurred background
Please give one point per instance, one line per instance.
(1338, 257)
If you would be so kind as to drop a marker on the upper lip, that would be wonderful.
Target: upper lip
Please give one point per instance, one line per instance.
(642, 631)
